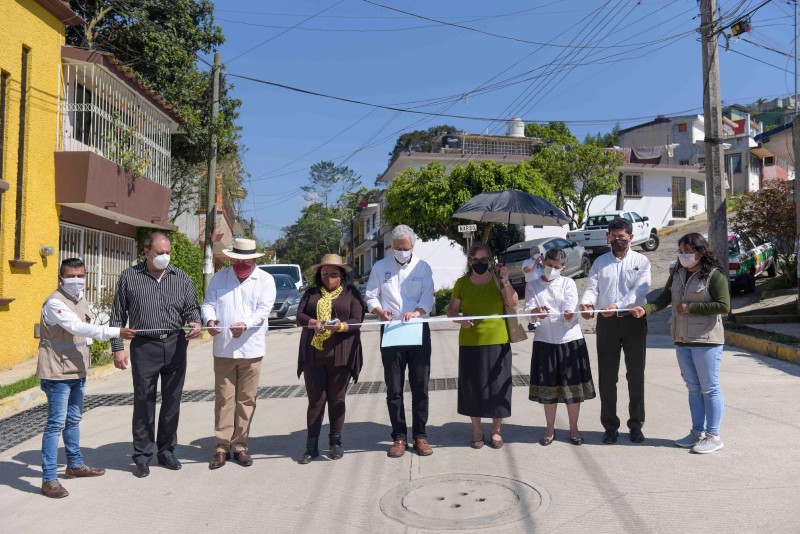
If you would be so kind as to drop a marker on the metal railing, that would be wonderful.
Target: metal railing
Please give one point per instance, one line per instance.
(99, 113)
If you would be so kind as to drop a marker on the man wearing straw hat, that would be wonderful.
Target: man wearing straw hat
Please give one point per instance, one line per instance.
(238, 302)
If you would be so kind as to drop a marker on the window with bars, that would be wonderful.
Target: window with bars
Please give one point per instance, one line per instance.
(633, 185)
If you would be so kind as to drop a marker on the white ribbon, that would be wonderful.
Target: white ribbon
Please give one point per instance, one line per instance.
(417, 320)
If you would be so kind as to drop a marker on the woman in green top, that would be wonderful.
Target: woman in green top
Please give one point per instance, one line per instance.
(484, 352)
(699, 294)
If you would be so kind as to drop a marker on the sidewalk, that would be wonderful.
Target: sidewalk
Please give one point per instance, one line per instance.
(749, 486)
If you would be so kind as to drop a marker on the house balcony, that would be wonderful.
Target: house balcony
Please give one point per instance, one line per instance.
(114, 148)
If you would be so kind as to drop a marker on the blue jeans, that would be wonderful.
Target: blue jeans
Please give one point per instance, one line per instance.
(64, 409)
(700, 370)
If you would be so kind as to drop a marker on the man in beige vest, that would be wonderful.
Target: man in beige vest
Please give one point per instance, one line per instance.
(64, 359)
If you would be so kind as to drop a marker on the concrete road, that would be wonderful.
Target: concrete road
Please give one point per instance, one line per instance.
(749, 486)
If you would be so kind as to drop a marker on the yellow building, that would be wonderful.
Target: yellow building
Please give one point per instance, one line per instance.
(30, 57)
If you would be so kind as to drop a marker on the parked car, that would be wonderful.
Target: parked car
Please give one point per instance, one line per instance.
(578, 262)
(748, 257)
(593, 234)
(284, 311)
(291, 269)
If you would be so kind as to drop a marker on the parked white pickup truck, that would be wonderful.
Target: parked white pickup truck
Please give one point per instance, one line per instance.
(593, 234)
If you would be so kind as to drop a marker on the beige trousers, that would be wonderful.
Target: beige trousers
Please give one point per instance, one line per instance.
(235, 388)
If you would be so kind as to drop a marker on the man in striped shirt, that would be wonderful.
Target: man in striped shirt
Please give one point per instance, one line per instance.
(157, 300)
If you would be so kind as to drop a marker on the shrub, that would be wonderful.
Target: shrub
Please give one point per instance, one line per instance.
(101, 353)
(442, 299)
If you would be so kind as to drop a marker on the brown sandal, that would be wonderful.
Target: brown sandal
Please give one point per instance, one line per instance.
(478, 443)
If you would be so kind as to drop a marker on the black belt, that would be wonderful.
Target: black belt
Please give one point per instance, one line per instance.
(624, 314)
(161, 337)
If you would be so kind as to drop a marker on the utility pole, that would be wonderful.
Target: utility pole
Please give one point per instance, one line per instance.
(712, 110)
(211, 204)
(796, 146)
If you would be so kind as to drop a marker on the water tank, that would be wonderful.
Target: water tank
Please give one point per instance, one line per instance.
(451, 141)
(516, 128)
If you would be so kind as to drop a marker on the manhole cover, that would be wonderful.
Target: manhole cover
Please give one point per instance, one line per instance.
(462, 501)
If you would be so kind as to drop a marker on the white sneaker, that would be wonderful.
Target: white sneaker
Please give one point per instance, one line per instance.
(708, 444)
(691, 440)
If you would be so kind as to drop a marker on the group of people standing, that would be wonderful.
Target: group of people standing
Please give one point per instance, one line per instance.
(158, 303)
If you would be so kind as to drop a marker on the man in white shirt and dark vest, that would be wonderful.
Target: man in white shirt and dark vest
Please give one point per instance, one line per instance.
(619, 280)
(66, 331)
(238, 301)
(401, 288)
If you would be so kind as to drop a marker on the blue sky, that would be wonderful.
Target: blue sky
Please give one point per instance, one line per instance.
(604, 61)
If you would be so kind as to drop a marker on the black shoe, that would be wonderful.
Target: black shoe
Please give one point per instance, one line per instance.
(311, 451)
(141, 470)
(168, 460)
(336, 450)
(610, 436)
(636, 435)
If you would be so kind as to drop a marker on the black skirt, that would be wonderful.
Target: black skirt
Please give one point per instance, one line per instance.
(561, 373)
(484, 381)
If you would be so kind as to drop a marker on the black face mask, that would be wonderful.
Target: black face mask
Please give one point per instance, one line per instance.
(619, 245)
(480, 267)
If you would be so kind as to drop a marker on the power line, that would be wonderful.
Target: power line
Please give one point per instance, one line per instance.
(283, 32)
(499, 36)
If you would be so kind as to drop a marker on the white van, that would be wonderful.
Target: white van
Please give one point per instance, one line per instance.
(292, 269)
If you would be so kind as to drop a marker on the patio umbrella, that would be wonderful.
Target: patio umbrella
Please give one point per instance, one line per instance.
(511, 207)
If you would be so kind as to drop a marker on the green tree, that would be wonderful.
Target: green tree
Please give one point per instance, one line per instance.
(769, 215)
(552, 132)
(419, 140)
(307, 240)
(159, 40)
(426, 198)
(325, 178)
(349, 204)
(577, 176)
(608, 140)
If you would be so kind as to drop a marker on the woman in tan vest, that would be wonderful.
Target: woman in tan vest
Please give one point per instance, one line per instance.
(699, 294)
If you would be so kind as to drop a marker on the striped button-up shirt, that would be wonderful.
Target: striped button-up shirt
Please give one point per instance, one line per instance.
(145, 303)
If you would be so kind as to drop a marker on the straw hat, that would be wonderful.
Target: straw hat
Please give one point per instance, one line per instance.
(243, 249)
(332, 259)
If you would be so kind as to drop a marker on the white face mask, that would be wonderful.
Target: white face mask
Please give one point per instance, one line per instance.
(687, 259)
(402, 255)
(73, 286)
(161, 261)
(536, 256)
(551, 273)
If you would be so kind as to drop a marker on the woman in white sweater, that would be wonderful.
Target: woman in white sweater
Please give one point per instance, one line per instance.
(560, 371)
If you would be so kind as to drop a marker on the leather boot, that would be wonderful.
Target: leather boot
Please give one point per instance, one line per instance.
(337, 451)
(311, 452)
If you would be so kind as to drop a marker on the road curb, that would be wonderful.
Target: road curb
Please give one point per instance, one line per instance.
(35, 396)
(762, 346)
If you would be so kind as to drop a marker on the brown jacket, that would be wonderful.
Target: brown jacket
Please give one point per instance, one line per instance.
(345, 347)
(63, 356)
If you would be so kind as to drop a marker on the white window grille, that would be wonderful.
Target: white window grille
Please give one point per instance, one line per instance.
(105, 254)
(99, 113)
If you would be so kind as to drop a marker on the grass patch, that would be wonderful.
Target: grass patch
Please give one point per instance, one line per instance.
(18, 386)
(764, 334)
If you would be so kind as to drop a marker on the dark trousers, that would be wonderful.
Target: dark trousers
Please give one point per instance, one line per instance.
(325, 384)
(151, 359)
(630, 335)
(417, 358)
